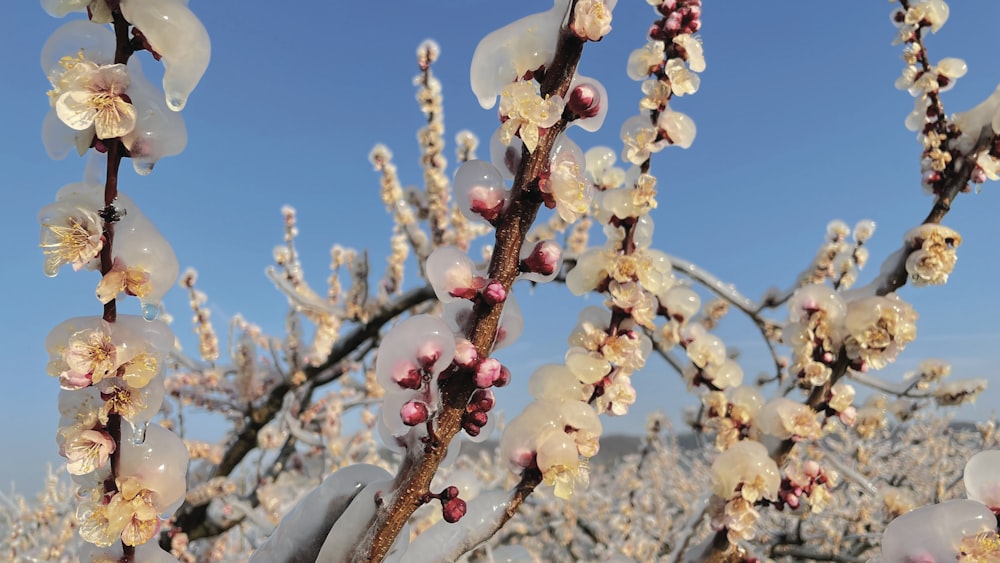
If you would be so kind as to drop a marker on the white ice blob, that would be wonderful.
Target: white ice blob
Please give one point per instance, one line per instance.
(61, 139)
(451, 273)
(159, 462)
(594, 122)
(177, 35)
(480, 193)
(982, 478)
(139, 244)
(353, 524)
(419, 334)
(95, 42)
(506, 158)
(149, 552)
(158, 132)
(933, 533)
(301, 533)
(509, 52)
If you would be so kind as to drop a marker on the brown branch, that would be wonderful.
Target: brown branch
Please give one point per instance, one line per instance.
(419, 467)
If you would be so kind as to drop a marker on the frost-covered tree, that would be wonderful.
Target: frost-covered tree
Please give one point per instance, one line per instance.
(344, 433)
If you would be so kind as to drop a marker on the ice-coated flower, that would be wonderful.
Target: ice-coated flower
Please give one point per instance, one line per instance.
(682, 80)
(937, 532)
(618, 396)
(97, 10)
(86, 449)
(552, 435)
(600, 168)
(89, 357)
(129, 515)
(591, 19)
(745, 470)
(565, 187)
(878, 328)
(645, 60)
(959, 391)
(96, 96)
(640, 139)
(694, 54)
(788, 419)
(525, 112)
(71, 234)
(982, 478)
(934, 257)
(933, 12)
(133, 281)
(678, 129)
(657, 94)
(630, 297)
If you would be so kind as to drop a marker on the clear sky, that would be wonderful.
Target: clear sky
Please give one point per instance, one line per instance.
(798, 123)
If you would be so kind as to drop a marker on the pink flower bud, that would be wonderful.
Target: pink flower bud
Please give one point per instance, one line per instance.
(488, 372)
(453, 510)
(466, 354)
(504, 377)
(428, 354)
(407, 375)
(413, 413)
(811, 468)
(849, 415)
(450, 493)
(471, 429)
(486, 202)
(477, 418)
(494, 293)
(482, 400)
(584, 101)
(544, 259)
(792, 501)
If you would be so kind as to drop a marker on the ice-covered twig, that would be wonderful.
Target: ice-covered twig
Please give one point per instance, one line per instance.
(724, 290)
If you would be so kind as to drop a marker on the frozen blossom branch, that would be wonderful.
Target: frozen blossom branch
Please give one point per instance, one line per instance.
(785, 467)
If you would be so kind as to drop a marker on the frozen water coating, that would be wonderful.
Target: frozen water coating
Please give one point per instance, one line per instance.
(301, 533)
(480, 193)
(158, 131)
(159, 463)
(982, 478)
(506, 54)
(408, 339)
(149, 552)
(452, 274)
(506, 158)
(138, 243)
(593, 122)
(353, 524)
(933, 533)
(174, 32)
(95, 42)
(555, 382)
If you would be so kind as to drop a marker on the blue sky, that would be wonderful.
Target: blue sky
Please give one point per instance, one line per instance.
(798, 123)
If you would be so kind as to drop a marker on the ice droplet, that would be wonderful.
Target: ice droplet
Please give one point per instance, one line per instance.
(150, 311)
(139, 433)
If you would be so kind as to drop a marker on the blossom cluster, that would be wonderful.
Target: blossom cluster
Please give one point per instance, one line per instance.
(111, 368)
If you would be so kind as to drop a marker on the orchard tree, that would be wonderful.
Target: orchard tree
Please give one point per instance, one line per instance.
(787, 466)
